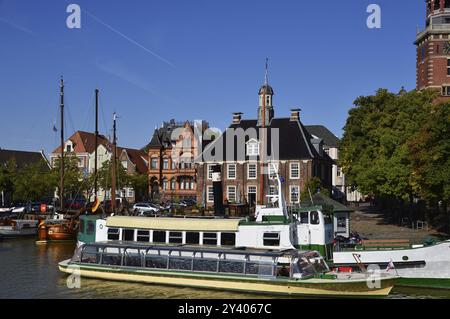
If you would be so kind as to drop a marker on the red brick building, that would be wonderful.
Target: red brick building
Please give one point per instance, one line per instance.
(172, 152)
(433, 49)
(283, 144)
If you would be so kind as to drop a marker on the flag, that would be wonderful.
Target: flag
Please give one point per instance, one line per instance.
(96, 205)
(390, 265)
(54, 127)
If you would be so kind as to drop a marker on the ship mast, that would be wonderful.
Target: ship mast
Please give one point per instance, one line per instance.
(261, 150)
(61, 186)
(96, 146)
(113, 173)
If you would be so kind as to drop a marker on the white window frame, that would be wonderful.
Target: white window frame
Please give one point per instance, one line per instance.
(446, 90)
(208, 198)
(252, 148)
(248, 170)
(234, 171)
(291, 176)
(291, 187)
(130, 192)
(151, 163)
(228, 193)
(209, 171)
(166, 162)
(256, 191)
(271, 172)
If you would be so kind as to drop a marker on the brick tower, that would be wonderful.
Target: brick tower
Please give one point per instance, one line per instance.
(433, 49)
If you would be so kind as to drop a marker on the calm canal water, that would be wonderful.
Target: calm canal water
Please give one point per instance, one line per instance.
(28, 270)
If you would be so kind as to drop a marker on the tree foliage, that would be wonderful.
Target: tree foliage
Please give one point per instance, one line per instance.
(396, 146)
(314, 185)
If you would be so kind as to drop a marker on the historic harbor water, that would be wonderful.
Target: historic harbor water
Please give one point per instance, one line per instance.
(28, 270)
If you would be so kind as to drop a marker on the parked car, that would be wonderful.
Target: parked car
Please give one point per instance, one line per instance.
(145, 207)
(189, 202)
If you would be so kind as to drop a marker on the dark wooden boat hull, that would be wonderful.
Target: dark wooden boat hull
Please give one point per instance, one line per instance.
(59, 232)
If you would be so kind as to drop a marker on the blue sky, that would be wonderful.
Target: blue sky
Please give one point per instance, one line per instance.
(200, 59)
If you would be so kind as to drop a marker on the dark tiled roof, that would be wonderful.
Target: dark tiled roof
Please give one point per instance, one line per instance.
(294, 140)
(267, 89)
(329, 139)
(22, 158)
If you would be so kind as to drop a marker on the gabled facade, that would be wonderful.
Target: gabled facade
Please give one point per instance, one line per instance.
(171, 153)
(282, 144)
(82, 145)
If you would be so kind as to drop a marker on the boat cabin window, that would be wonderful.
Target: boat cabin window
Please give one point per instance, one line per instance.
(128, 234)
(210, 239)
(81, 227)
(143, 236)
(314, 217)
(113, 234)
(175, 237)
(111, 258)
(156, 261)
(309, 264)
(271, 239)
(304, 218)
(228, 239)
(232, 264)
(90, 227)
(159, 236)
(90, 255)
(192, 238)
(205, 263)
(133, 258)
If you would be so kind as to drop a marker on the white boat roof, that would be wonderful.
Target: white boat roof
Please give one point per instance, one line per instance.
(180, 224)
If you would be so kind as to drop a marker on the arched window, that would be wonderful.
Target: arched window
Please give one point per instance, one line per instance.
(172, 183)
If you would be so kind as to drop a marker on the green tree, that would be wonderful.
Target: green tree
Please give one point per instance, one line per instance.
(375, 152)
(73, 176)
(33, 182)
(7, 176)
(430, 155)
(139, 182)
(314, 185)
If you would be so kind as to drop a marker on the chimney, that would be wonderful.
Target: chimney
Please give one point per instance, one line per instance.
(237, 117)
(295, 114)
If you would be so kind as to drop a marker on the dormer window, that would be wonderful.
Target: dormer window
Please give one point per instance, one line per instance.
(252, 148)
(68, 148)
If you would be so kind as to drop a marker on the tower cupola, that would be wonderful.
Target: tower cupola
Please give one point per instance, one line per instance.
(265, 108)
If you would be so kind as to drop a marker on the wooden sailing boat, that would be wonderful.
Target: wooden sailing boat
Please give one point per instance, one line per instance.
(66, 229)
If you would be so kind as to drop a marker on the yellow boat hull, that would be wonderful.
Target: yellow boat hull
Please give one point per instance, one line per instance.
(308, 287)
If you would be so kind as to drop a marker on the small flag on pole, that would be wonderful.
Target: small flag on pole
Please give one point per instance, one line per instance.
(390, 266)
(54, 127)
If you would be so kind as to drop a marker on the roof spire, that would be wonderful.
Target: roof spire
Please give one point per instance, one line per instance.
(266, 82)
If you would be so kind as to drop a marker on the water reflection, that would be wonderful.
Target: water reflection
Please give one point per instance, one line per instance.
(30, 271)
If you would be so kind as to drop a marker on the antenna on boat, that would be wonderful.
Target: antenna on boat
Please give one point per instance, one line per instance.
(113, 173)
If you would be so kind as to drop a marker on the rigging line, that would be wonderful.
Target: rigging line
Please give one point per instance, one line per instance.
(102, 110)
(69, 114)
(87, 113)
